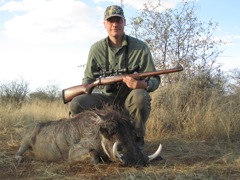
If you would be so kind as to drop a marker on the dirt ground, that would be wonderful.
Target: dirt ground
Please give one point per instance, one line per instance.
(179, 160)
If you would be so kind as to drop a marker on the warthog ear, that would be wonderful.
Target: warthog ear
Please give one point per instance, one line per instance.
(100, 114)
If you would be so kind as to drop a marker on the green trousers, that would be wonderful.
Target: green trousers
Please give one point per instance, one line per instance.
(137, 103)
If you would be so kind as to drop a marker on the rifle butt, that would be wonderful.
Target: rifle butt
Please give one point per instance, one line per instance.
(69, 93)
(65, 97)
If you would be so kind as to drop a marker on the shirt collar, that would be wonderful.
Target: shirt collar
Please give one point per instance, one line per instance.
(124, 43)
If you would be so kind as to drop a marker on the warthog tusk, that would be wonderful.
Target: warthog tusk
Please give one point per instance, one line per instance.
(116, 153)
(105, 149)
(154, 155)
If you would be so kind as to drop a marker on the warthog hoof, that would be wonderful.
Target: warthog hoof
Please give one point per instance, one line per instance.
(19, 159)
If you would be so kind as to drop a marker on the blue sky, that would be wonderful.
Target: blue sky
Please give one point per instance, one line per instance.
(47, 41)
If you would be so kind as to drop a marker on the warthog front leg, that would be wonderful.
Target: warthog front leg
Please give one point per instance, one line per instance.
(18, 156)
(99, 157)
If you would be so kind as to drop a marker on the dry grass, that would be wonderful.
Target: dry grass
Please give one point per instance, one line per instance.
(199, 133)
(195, 114)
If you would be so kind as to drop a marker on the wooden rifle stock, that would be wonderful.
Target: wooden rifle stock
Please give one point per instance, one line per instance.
(69, 93)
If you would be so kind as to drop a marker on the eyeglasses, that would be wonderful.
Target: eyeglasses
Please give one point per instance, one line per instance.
(112, 20)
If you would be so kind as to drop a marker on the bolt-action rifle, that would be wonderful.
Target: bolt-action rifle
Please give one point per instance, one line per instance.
(69, 93)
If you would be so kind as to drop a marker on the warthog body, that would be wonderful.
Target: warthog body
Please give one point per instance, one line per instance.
(90, 132)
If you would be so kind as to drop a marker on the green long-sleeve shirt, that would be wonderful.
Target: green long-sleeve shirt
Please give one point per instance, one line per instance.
(139, 56)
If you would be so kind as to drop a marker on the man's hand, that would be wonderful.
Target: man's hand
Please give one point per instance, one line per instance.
(134, 84)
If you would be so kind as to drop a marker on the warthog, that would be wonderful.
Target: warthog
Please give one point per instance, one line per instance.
(97, 133)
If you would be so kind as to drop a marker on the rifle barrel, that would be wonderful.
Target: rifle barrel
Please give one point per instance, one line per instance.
(114, 79)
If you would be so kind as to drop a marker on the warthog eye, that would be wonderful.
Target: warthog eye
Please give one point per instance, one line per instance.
(106, 132)
(112, 127)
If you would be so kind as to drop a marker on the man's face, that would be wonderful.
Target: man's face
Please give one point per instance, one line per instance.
(115, 26)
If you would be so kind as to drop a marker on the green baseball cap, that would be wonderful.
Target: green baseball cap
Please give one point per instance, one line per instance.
(113, 10)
